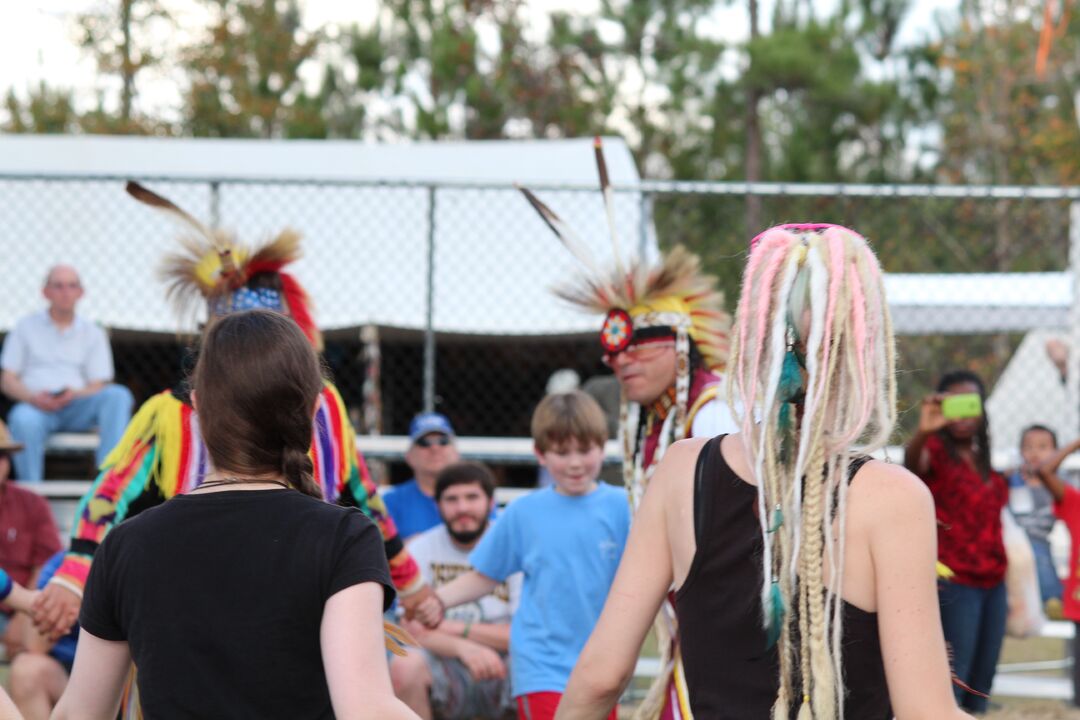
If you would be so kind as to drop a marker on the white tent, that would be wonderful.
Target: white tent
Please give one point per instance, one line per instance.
(364, 211)
(1029, 392)
(972, 303)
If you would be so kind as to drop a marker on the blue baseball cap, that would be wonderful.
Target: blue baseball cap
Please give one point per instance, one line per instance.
(431, 422)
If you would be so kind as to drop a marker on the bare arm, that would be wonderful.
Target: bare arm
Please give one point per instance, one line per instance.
(466, 588)
(495, 635)
(12, 386)
(606, 664)
(482, 661)
(1047, 472)
(354, 656)
(21, 599)
(8, 711)
(97, 679)
(916, 459)
(903, 549)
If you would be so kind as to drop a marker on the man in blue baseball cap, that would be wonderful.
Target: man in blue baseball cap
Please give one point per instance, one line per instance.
(431, 448)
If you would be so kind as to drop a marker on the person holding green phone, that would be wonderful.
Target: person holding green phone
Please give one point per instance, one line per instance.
(950, 451)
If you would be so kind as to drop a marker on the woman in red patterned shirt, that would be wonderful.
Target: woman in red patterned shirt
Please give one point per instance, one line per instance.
(953, 459)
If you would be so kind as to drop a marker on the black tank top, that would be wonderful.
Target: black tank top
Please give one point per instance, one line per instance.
(729, 671)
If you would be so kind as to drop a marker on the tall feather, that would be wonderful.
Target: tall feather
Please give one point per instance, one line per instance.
(151, 198)
(562, 231)
(609, 203)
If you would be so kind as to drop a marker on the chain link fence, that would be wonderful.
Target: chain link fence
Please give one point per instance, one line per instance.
(438, 295)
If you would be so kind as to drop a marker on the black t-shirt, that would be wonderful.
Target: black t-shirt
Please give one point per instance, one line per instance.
(220, 597)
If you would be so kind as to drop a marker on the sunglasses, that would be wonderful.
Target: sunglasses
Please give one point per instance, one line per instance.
(639, 352)
(429, 441)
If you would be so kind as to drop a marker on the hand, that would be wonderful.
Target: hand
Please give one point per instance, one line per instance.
(415, 628)
(64, 398)
(55, 611)
(424, 606)
(930, 418)
(482, 662)
(45, 401)
(1058, 353)
(14, 636)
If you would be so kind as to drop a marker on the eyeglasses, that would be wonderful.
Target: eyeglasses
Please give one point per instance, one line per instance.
(428, 441)
(65, 285)
(639, 352)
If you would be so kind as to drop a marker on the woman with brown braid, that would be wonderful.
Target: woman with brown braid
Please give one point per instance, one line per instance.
(271, 602)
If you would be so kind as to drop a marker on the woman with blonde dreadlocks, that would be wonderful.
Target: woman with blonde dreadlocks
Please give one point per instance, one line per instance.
(804, 572)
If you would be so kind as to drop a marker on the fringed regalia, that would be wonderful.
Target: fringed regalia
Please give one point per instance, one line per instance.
(669, 300)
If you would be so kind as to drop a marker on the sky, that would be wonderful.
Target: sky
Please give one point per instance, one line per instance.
(38, 40)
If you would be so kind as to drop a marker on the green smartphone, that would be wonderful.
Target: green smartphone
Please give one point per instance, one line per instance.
(964, 405)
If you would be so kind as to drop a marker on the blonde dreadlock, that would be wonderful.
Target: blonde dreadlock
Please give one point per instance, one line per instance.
(812, 358)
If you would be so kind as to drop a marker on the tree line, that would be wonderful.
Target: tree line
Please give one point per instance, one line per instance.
(986, 95)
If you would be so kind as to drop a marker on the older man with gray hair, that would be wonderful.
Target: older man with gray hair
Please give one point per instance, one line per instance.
(56, 367)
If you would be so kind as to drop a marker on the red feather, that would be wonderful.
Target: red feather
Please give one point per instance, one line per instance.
(299, 307)
(272, 266)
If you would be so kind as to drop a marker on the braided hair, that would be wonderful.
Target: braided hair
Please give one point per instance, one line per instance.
(813, 360)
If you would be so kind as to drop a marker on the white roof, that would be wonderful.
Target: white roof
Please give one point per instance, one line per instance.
(365, 245)
(924, 304)
(1028, 392)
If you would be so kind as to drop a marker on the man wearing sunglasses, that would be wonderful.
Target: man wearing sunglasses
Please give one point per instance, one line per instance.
(431, 448)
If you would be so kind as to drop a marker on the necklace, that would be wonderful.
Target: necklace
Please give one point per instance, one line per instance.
(239, 481)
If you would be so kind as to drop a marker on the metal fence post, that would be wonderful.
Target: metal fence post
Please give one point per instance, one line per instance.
(215, 205)
(429, 325)
(644, 220)
(1072, 379)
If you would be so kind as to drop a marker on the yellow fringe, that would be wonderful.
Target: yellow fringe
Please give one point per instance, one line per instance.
(158, 422)
(396, 638)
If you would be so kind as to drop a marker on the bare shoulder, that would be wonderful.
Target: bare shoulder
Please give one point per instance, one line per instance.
(882, 490)
(678, 463)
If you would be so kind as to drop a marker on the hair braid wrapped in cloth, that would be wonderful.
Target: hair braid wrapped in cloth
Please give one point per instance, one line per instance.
(812, 358)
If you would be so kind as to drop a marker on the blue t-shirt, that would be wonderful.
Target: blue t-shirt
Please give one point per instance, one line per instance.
(413, 511)
(569, 548)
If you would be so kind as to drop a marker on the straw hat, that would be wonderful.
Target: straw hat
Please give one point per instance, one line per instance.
(6, 443)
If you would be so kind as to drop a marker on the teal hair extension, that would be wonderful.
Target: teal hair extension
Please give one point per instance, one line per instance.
(777, 611)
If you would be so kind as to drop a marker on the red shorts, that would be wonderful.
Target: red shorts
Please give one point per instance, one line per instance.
(542, 706)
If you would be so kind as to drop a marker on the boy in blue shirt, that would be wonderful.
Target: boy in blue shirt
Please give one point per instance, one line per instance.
(567, 539)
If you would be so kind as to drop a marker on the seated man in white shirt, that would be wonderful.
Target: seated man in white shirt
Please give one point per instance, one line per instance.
(461, 672)
(56, 366)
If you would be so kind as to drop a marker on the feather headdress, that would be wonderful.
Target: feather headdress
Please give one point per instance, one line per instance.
(636, 295)
(213, 266)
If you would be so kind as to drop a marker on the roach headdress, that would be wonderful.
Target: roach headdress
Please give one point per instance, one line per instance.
(213, 266)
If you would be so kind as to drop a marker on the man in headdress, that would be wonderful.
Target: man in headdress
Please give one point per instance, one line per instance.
(665, 336)
(162, 455)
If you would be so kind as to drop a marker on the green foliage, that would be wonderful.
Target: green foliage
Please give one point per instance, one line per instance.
(245, 73)
(47, 110)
